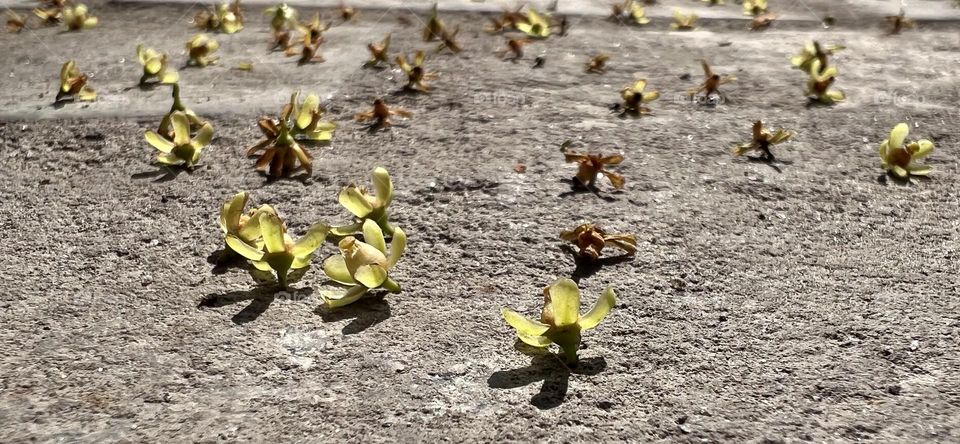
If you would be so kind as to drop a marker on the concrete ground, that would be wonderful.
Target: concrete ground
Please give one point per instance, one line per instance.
(811, 299)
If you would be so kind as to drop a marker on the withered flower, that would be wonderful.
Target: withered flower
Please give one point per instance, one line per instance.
(562, 26)
(379, 55)
(514, 47)
(448, 40)
(762, 21)
(312, 37)
(299, 122)
(762, 141)
(598, 64)
(434, 28)
(15, 23)
(380, 115)
(507, 20)
(813, 51)
(308, 53)
(347, 13)
(591, 239)
(591, 165)
(711, 84)
(50, 16)
(282, 40)
(415, 72)
(899, 22)
(313, 30)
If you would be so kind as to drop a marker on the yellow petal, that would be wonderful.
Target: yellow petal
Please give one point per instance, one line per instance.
(232, 210)
(918, 170)
(243, 249)
(158, 141)
(335, 300)
(305, 116)
(883, 149)
(382, 185)
(153, 65)
(397, 246)
(65, 73)
(181, 128)
(600, 310)
(924, 148)
(170, 77)
(370, 276)
(898, 135)
(354, 202)
(536, 341)
(523, 325)
(373, 235)
(272, 229)
(357, 254)
(251, 228)
(301, 262)
(261, 265)
(302, 157)
(336, 269)
(310, 241)
(204, 135)
(168, 159)
(87, 94)
(565, 302)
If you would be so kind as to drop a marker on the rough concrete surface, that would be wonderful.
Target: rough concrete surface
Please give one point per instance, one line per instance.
(809, 300)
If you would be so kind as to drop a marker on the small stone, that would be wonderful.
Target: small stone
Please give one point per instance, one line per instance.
(458, 369)
(397, 367)
(894, 389)
(914, 345)
(678, 284)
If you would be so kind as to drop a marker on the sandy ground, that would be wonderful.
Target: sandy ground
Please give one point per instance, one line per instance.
(805, 301)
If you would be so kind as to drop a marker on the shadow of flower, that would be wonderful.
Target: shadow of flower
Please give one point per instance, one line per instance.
(548, 368)
(366, 313)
